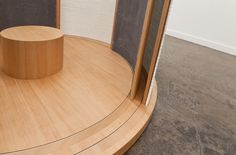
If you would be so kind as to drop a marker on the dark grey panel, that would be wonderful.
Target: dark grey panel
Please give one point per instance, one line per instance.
(27, 12)
(156, 16)
(128, 28)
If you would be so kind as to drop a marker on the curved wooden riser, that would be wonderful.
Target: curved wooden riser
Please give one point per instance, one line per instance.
(104, 120)
(32, 52)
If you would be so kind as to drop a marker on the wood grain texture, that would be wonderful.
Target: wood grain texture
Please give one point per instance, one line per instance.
(114, 23)
(58, 14)
(113, 135)
(31, 52)
(28, 12)
(128, 28)
(55, 114)
(121, 140)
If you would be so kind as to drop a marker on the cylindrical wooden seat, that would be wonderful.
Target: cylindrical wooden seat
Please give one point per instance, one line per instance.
(31, 52)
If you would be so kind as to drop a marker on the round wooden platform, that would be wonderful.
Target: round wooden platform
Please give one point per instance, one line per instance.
(31, 52)
(84, 109)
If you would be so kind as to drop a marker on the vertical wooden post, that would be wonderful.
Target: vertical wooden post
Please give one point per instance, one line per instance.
(143, 41)
(114, 22)
(58, 14)
(160, 34)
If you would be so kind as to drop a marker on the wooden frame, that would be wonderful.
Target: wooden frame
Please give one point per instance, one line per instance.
(157, 47)
(143, 41)
(58, 14)
(114, 22)
(32, 55)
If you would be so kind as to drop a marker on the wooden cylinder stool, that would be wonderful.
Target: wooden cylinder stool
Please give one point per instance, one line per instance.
(31, 52)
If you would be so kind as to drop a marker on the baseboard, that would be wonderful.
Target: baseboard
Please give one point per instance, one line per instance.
(204, 42)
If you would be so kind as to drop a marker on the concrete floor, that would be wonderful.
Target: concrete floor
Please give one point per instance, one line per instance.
(196, 107)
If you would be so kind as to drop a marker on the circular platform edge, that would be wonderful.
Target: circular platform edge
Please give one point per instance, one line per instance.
(126, 136)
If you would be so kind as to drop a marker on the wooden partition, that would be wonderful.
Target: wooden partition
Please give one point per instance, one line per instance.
(152, 33)
(29, 12)
(154, 41)
(138, 33)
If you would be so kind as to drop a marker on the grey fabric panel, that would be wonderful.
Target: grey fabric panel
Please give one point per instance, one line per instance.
(158, 7)
(27, 12)
(128, 28)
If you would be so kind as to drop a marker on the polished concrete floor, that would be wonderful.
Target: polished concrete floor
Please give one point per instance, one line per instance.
(196, 110)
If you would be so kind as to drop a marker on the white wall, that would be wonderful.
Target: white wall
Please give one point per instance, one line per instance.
(88, 18)
(210, 23)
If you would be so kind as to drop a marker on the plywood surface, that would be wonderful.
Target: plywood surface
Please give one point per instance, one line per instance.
(101, 123)
(31, 33)
(32, 52)
(93, 83)
(113, 135)
(121, 140)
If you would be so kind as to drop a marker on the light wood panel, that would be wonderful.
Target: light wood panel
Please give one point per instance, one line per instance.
(114, 135)
(94, 82)
(121, 140)
(114, 23)
(58, 14)
(31, 33)
(31, 52)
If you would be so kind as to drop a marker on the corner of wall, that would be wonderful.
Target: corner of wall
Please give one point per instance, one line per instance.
(201, 41)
